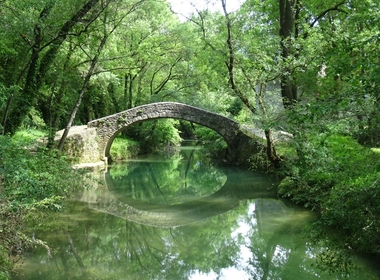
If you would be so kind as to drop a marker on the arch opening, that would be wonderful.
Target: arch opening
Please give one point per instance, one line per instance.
(108, 127)
(162, 135)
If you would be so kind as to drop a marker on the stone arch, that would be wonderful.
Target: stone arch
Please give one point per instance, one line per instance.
(108, 127)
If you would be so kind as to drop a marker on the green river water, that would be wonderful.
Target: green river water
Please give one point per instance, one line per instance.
(181, 217)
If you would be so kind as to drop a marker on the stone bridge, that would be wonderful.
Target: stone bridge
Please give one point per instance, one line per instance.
(107, 128)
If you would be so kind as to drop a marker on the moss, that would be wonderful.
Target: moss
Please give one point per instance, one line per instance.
(81, 145)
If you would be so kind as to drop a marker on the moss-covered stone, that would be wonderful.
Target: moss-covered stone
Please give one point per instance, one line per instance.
(81, 144)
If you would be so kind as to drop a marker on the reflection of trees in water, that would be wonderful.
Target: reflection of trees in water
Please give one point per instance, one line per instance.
(106, 247)
(110, 248)
(167, 182)
(96, 245)
(279, 255)
(278, 248)
(144, 245)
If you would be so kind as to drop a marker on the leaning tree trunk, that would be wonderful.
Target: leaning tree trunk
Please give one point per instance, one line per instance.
(79, 101)
(90, 72)
(94, 61)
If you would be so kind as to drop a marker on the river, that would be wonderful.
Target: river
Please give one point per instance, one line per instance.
(183, 217)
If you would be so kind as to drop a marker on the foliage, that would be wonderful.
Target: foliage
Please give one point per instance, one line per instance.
(212, 141)
(9, 225)
(32, 184)
(332, 173)
(235, 107)
(159, 136)
(260, 162)
(29, 179)
(123, 148)
(353, 208)
(27, 137)
(336, 176)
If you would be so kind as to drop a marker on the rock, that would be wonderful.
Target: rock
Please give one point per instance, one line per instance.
(81, 145)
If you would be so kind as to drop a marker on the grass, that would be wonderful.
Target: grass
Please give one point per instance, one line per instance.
(27, 136)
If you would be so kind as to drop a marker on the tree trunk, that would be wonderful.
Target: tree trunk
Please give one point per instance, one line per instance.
(6, 112)
(125, 92)
(25, 101)
(54, 106)
(79, 101)
(271, 150)
(94, 61)
(111, 92)
(39, 67)
(287, 20)
(86, 82)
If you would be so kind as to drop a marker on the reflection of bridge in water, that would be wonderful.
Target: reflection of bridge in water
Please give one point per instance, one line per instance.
(228, 197)
(274, 220)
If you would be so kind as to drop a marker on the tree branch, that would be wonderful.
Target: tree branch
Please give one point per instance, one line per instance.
(321, 15)
(230, 63)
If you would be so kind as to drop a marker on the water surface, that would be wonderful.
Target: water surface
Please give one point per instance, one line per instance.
(180, 217)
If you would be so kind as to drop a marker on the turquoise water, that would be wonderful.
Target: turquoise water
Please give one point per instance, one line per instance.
(181, 217)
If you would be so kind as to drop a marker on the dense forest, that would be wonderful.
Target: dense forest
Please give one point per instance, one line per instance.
(310, 68)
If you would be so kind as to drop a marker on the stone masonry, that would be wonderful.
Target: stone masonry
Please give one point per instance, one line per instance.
(107, 128)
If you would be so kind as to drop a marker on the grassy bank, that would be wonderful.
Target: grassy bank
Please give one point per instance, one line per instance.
(340, 179)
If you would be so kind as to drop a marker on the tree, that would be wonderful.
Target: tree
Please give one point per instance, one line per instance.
(43, 53)
(109, 21)
(243, 76)
(332, 173)
(152, 48)
(289, 17)
(295, 21)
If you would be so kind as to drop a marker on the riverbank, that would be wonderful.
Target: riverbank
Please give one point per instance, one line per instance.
(32, 186)
(339, 179)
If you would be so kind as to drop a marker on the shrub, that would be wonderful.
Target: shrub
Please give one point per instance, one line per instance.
(31, 184)
(353, 207)
(155, 136)
(340, 179)
(123, 148)
(211, 140)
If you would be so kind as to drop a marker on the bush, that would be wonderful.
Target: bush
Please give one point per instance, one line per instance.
(211, 140)
(354, 208)
(31, 183)
(340, 179)
(323, 162)
(123, 148)
(155, 136)
(30, 178)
